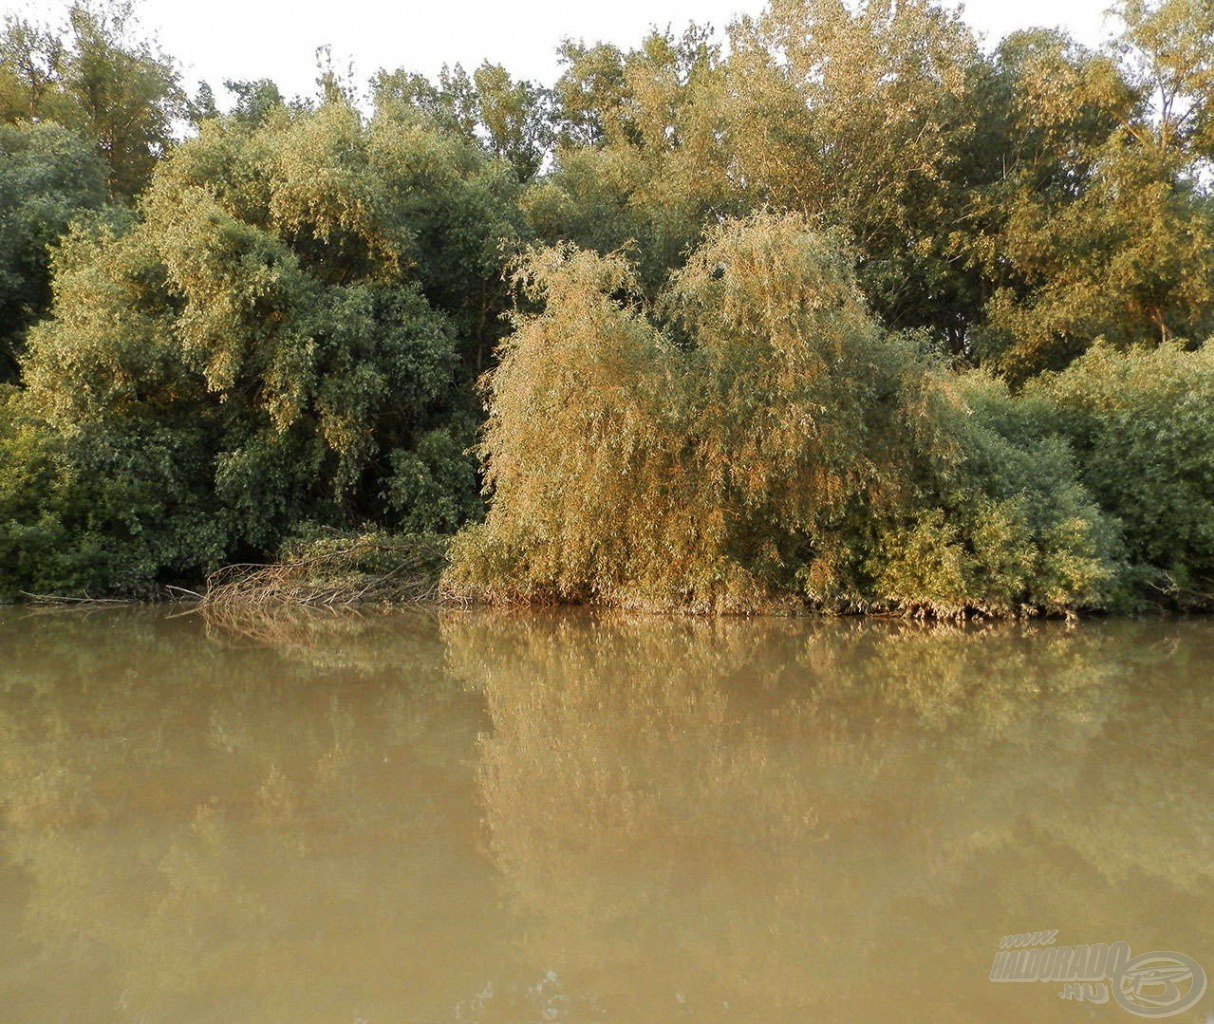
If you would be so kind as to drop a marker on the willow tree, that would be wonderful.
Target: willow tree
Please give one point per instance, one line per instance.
(757, 440)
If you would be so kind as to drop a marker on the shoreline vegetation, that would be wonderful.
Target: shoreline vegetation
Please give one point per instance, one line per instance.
(852, 315)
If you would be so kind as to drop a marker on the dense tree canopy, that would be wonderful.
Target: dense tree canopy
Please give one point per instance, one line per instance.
(49, 177)
(99, 78)
(838, 309)
(757, 437)
(281, 337)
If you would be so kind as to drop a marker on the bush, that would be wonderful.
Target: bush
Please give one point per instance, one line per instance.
(1141, 423)
(267, 345)
(999, 522)
(757, 440)
(91, 513)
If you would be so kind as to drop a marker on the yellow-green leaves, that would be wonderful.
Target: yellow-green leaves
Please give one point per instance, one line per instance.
(263, 317)
(756, 441)
(99, 77)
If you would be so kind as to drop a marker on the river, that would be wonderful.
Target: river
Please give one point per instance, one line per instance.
(566, 817)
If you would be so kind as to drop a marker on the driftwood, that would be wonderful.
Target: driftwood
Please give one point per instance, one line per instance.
(336, 575)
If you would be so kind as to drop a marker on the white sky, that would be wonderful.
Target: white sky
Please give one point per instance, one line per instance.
(221, 39)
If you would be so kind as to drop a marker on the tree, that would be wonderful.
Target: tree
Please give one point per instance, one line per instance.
(99, 78)
(757, 441)
(31, 63)
(639, 160)
(260, 350)
(49, 177)
(859, 117)
(1169, 45)
(255, 101)
(1093, 228)
(515, 117)
(510, 119)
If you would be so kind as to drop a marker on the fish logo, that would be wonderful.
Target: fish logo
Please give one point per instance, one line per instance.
(1160, 984)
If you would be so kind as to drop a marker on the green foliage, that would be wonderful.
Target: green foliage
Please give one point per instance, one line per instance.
(1125, 256)
(97, 512)
(762, 343)
(48, 178)
(999, 520)
(574, 451)
(1098, 225)
(640, 160)
(460, 210)
(1142, 426)
(509, 118)
(1171, 49)
(434, 487)
(1016, 206)
(862, 116)
(101, 80)
(257, 351)
(759, 440)
(255, 101)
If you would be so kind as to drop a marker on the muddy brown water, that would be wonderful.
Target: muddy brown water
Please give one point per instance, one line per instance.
(527, 818)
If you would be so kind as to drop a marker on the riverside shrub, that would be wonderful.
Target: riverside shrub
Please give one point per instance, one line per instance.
(257, 350)
(755, 440)
(1141, 423)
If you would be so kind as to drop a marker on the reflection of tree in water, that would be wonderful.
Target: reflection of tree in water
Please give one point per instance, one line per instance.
(193, 830)
(777, 815)
(1146, 819)
(832, 820)
(367, 640)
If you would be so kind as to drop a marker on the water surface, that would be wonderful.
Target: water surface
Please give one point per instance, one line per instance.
(560, 817)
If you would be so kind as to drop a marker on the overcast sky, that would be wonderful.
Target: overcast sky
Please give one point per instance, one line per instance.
(220, 39)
